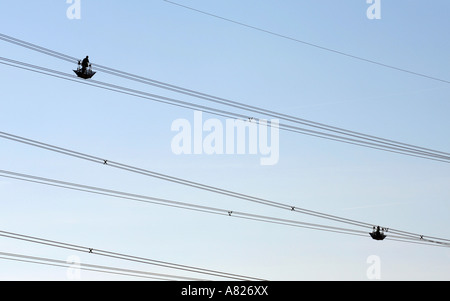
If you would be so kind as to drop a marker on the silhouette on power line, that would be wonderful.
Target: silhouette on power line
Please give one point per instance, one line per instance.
(84, 69)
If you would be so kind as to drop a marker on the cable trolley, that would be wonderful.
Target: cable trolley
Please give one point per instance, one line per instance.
(84, 69)
(378, 233)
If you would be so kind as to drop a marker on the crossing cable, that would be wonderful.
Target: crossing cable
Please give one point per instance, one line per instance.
(222, 100)
(211, 210)
(312, 45)
(78, 248)
(191, 184)
(383, 146)
(94, 268)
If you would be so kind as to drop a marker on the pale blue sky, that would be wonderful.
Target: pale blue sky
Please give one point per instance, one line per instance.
(171, 44)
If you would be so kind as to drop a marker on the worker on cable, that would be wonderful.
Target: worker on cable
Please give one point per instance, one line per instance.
(85, 64)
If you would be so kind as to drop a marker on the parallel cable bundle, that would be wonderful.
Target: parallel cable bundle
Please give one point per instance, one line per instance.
(94, 268)
(315, 129)
(397, 234)
(289, 123)
(126, 257)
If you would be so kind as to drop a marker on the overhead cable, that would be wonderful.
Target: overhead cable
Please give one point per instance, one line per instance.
(380, 145)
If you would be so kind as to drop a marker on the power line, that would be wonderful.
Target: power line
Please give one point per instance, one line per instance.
(94, 268)
(188, 183)
(192, 184)
(396, 234)
(255, 217)
(171, 203)
(46, 71)
(266, 112)
(173, 179)
(380, 145)
(314, 45)
(122, 256)
(369, 141)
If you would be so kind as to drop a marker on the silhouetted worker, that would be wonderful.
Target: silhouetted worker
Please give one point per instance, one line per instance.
(85, 64)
